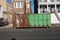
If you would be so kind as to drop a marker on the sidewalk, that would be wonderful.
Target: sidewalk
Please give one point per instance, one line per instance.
(7, 26)
(55, 25)
(10, 26)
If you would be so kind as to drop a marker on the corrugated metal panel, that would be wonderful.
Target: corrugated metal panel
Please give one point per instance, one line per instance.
(31, 17)
(40, 23)
(40, 17)
(36, 23)
(49, 22)
(31, 23)
(40, 20)
(36, 17)
(44, 16)
(44, 23)
(48, 16)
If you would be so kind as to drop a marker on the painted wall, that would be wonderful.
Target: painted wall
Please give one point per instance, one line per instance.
(3, 3)
(54, 20)
(1, 12)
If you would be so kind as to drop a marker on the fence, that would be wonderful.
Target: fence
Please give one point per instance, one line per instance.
(32, 20)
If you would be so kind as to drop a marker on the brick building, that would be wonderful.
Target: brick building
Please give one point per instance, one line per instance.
(3, 9)
(19, 10)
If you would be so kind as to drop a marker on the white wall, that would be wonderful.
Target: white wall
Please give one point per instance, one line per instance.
(1, 12)
(54, 20)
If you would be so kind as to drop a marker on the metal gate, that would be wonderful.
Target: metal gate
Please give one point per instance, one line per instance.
(31, 20)
(20, 20)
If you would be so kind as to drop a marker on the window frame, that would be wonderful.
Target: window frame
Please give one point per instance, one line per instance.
(18, 4)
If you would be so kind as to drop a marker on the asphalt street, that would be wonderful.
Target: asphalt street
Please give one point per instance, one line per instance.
(30, 34)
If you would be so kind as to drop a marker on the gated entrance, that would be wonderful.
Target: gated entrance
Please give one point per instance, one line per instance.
(20, 20)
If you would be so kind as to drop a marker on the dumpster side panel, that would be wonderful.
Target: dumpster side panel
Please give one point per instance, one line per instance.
(36, 23)
(40, 24)
(31, 17)
(40, 17)
(31, 23)
(36, 17)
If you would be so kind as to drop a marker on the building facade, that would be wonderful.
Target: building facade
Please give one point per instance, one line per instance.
(20, 10)
(3, 3)
(20, 6)
(3, 9)
(48, 5)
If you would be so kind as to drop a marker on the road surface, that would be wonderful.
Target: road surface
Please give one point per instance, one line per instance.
(30, 34)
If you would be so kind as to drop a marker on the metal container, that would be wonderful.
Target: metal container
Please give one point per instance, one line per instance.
(41, 23)
(48, 16)
(36, 23)
(49, 22)
(40, 17)
(45, 23)
(49, 19)
(36, 17)
(44, 16)
(31, 17)
(31, 23)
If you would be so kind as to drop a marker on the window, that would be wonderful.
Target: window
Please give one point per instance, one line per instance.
(43, 8)
(15, 5)
(58, 0)
(42, 0)
(0, 7)
(18, 4)
(58, 8)
(51, 8)
(39, 0)
(45, 1)
(52, 0)
(21, 4)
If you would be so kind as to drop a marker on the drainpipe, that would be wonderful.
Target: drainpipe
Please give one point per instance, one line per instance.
(24, 6)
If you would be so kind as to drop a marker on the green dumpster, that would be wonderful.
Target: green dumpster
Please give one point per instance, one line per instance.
(31, 17)
(31, 23)
(44, 23)
(36, 23)
(40, 23)
(48, 16)
(49, 22)
(40, 17)
(49, 19)
(40, 20)
(44, 16)
(36, 17)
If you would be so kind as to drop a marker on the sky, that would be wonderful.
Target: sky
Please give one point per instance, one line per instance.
(9, 1)
(32, 5)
